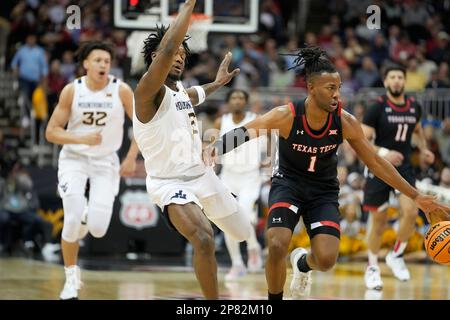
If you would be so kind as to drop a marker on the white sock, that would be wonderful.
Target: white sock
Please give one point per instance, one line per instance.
(373, 258)
(399, 248)
(234, 250)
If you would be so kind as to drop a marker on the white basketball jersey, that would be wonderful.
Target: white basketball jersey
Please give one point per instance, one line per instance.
(246, 157)
(100, 111)
(170, 143)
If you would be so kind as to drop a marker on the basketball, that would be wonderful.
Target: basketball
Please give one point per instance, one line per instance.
(437, 242)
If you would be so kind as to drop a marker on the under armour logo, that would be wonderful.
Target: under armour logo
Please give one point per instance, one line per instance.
(333, 132)
(276, 220)
(279, 175)
(179, 194)
(300, 132)
(64, 186)
(413, 110)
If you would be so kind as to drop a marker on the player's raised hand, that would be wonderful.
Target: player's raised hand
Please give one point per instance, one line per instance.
(429, 204)
(92, 139)
(223, 76)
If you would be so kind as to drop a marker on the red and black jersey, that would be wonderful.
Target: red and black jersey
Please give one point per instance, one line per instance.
(394, 124)
(308, 155)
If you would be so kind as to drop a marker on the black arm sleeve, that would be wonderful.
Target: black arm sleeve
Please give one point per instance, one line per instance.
(231, 140)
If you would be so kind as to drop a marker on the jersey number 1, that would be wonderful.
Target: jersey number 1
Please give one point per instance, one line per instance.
(402, 130)
(312, 164)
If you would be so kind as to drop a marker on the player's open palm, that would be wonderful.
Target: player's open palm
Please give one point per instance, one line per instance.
(223, 76)
(428, 204)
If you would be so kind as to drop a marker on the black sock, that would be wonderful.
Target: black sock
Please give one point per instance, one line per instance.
(275, 296)
(302, 264)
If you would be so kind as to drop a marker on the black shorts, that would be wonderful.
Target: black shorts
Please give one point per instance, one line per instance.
(376, 191)
(287, 204)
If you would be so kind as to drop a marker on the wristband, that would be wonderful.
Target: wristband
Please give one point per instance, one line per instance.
(382, 152)
(201, 94)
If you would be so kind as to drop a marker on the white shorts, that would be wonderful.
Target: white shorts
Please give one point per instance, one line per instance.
(244, 185)
(75, 169)
(207, 191)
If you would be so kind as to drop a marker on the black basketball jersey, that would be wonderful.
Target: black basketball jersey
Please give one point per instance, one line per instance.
(394, 124)
(308, 155)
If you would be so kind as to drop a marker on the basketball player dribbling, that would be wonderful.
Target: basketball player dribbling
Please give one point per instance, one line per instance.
(93, 108)
(305, 181)
(241, 174)
(166, 131)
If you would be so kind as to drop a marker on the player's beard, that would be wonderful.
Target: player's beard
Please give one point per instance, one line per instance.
(397, 93)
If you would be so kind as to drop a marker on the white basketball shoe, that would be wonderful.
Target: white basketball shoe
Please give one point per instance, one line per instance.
(372, 278)
(301, 281)
(398, 267)
(73, 283)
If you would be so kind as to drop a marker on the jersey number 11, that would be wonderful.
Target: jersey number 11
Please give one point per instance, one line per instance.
(402, 130)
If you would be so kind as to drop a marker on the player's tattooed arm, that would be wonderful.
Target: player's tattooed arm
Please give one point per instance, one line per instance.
(279, 118)
(150, 89)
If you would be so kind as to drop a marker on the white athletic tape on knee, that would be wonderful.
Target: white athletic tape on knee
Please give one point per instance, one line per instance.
(99, 218)
(73, 210)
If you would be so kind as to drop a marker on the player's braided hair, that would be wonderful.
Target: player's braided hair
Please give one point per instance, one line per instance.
(314, 61)
(153, 40)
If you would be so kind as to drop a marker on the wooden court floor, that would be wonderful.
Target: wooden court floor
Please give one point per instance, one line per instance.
(33, 280)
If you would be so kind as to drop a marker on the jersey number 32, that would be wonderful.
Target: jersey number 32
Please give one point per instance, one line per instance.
(94, 118)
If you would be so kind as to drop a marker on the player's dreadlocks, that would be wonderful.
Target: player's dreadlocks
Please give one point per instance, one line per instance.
(152, 42)
(314, 61)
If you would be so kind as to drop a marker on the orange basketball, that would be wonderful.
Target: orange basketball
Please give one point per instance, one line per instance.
(437, 242)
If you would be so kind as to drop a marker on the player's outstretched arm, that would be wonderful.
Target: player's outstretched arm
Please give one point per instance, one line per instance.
(198, 94)
(151, 83)
(55, 131)
(380, 167)
(279, 118)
